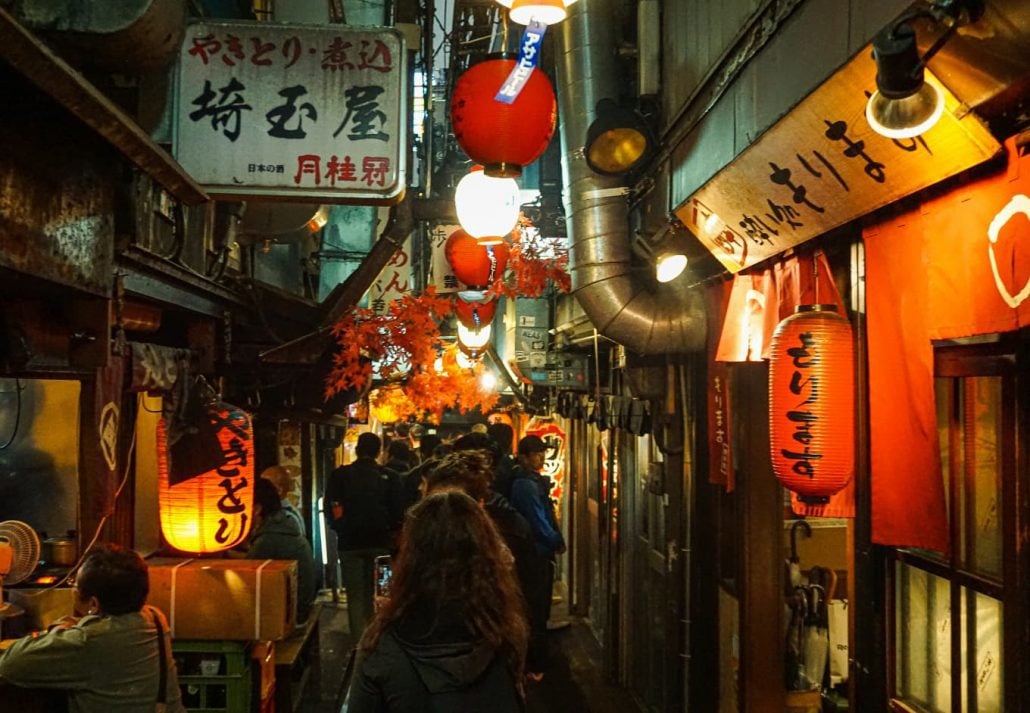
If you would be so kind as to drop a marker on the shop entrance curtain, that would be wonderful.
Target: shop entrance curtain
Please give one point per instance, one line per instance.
(956, 266)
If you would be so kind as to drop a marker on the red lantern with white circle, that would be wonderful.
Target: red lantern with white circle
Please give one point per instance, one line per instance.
(504, 138)
(474, 314)
(211, 511)
(476, 265)
(812, 402)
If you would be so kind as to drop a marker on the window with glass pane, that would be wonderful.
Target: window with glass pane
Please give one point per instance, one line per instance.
(948, 612)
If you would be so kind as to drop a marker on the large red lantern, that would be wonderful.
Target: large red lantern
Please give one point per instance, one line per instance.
(502, 137)
(812, 402)
(474, 314)
(212, 511)
(475, 264)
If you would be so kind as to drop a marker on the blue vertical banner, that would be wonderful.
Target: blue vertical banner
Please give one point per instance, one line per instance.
(529, 58)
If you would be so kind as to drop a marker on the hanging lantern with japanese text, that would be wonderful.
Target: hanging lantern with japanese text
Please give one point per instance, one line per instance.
(476, 265)
(503, 137)
(210, 511)
(474, 314)
(812, 402)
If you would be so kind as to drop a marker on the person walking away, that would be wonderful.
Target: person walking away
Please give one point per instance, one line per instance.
(364, 507)
(531, 496)
(450, 638)
(430, 449)
(275, 537)
(114, 655)
(503, 436)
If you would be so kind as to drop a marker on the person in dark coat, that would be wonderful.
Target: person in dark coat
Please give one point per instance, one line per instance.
(276, 538)
(365, 510)
(531, 496)
(504, 437)
(430, 449)
(451, 636)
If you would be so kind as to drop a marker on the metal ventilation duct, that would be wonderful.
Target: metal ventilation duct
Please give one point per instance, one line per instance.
(129, 36)
(621, 305)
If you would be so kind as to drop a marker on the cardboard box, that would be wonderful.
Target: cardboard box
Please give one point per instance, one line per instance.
(43, 606)
(220, 599)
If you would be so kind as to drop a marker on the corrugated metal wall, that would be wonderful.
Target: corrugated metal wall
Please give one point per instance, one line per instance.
(813, 42)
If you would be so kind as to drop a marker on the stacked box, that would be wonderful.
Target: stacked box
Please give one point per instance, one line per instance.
(225, 600)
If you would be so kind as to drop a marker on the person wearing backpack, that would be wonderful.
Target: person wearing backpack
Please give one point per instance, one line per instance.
(365, 513)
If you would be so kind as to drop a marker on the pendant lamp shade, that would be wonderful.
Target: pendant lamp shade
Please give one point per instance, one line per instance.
(812, 402)
(503, 138)
(212, 511)
(478, 266)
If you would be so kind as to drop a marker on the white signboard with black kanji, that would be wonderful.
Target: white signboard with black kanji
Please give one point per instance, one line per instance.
(293, 111)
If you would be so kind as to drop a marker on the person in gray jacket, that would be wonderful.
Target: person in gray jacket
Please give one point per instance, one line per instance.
(108, 656)
(275, 537)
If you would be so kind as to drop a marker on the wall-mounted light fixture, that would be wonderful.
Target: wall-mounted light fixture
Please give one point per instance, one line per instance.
(904, 103)
(618, 141)
(664, 250)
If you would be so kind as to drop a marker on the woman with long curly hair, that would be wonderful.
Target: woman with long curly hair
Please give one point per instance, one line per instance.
(452, 635)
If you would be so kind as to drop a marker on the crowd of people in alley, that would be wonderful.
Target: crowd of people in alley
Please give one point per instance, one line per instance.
(473, 535)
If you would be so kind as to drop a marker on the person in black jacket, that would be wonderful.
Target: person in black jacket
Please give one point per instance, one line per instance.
(365, 510)
(451, 636)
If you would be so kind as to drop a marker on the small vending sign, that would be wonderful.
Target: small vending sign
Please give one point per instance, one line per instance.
(293, 111)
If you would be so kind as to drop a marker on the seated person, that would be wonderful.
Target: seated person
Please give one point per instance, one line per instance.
(280, 477)
(106, 656)
(275, 537)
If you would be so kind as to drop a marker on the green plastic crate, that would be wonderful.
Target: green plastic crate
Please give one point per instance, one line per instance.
(214, 676)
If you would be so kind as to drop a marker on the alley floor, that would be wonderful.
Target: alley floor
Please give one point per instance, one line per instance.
(575, 683)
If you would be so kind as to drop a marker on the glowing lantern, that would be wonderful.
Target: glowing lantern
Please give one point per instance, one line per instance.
(473, 341)
(474, 264)
(475, 314)
(812, 402)
(502, 137)
(212, 511)
(548, 12)
(487, 207)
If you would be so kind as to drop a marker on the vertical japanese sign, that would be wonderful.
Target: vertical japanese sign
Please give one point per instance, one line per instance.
(443, 277)
(279, 110)
(393, 282)
(822, 166)
(553, 437)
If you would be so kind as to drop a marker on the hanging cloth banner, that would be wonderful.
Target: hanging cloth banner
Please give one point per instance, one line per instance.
(529, 57)
(957, 266)
(720, 451)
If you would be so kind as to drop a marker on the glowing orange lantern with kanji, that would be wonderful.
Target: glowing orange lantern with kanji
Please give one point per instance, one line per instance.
(474, 314)
(502, 137)
(812, 402)
(210, 511)
(475, 264)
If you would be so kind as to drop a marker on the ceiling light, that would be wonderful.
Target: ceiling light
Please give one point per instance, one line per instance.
(618, 141)
(904, 103)
(669, 266)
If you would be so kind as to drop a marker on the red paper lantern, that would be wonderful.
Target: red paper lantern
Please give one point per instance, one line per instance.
(812, 402)
(212, 511)
(474, 264)
(502, 137)
(474, 314)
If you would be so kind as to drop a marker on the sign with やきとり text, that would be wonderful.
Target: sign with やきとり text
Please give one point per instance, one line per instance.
(822, 166)
(293, 111)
